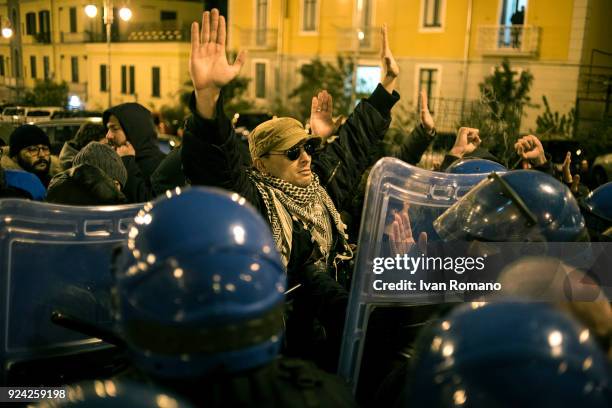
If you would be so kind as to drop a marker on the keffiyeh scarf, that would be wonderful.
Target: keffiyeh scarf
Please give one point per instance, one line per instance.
(309, 205)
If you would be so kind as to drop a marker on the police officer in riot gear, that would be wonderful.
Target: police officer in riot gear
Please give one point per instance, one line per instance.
(200, 294)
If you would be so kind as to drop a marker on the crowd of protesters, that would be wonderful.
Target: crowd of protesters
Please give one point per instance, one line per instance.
(310, 195)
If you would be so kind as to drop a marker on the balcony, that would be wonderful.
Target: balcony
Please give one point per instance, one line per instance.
(507, 40)
(71, 38)
(364, 40)
(259, 39)
(43, 37)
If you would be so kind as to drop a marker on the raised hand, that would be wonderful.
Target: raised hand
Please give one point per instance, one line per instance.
(530, 149)
(401, 239)
(390, 69)
(467, 140)
(572, 181)
(208, 65)
(426, 119)
(321, 110)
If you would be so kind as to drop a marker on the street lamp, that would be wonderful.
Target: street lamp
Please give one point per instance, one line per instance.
(125, 14)
(7, 30)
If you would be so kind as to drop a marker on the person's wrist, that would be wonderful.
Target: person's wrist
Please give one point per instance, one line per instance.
(457, 151)
(539, 161)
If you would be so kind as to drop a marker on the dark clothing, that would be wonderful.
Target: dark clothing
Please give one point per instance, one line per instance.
(137, 124)
(66, 155)
(211, 156)
(415, 145)
(169, 174)
(282, 383)
(518, 18)
(84, 185)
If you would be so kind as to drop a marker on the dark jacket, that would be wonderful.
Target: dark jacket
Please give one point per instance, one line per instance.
(137, 124)
(84, 185)
(169, 173)
(211, 156)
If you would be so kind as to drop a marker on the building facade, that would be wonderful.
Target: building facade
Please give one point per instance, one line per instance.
(444, 46)
(145, 61)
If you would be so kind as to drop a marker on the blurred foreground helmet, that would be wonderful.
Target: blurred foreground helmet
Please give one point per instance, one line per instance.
(474, 166)
(520, 205)
(509, 355)
(200, 286)
(597, 209)
(113, 393)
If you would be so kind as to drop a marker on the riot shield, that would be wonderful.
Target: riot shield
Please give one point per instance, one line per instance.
(394, 186)
(54, 258)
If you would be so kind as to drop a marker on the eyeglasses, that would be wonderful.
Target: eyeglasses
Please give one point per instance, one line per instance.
(310, 147)
(32, 150)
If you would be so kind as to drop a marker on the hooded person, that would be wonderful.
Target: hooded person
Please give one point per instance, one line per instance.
(30, 150)
(132, 133)
(96, 178)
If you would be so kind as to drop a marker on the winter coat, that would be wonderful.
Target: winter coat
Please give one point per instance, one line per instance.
(211, 156)
(84, 185)
(137, 124)
(66, 156)
(169, 173)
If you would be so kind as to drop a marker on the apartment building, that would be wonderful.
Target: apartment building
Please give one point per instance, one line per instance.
(145, 59)
(444, 46)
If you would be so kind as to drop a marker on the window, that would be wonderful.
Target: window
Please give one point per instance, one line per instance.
(44, 30)
(73, 19)
(365, 22)
(31, 23)
(33, 66)
(428, 80)
(309, 16)
(132, 80)
(155, 74)
(124, 79)
(260, 80)
(103, 75)
(432, 13)
(167, 15)
(261, 15)
(46, 73)
(2, 65)
(74, 65)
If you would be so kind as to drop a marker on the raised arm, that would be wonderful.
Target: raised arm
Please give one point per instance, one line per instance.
(390, 69)
(208, 65)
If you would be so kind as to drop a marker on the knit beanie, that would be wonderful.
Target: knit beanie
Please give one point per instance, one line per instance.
(27, 135)
(103, 157)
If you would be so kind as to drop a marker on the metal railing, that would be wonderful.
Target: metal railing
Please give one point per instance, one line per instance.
(366, 40)
(259, 39)
(68, 38)
(509, 40)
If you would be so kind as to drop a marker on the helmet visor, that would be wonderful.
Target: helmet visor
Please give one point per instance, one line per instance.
(491, 211)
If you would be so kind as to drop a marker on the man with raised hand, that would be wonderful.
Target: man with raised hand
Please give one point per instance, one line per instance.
(299, 194)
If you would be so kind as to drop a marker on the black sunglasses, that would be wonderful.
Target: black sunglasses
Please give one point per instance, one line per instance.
(311, 146)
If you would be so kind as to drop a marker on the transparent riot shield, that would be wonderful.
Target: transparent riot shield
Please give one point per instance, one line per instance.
(394, 186)
(54, 258)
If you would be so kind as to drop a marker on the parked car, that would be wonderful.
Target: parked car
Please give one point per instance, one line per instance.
(28, 114)
(244, 123)
(62, 130)
(601, 171)
(39, 114)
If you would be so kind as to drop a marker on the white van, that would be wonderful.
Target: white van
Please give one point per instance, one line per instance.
(28, 114)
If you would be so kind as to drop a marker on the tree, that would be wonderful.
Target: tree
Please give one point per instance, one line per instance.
(46, 93)
(550, 123)
(503, 97)
(319, 75)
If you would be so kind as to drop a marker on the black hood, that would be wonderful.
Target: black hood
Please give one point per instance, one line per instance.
(137, 124)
